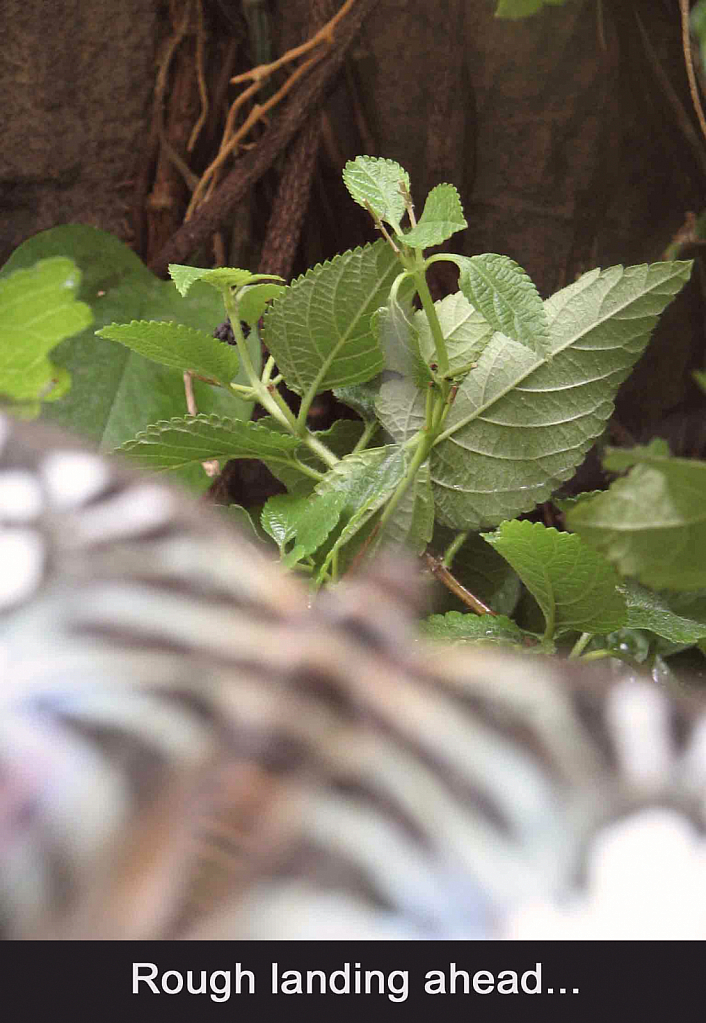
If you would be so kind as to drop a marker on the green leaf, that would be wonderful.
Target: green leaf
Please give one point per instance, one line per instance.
(317, 518)
(394, 326)
(375, 182)
(400, 408)
(656, 454)
(411, 525)
(652, 523)
(565, 504)
(193, 439)
(366, 480)
(114, 391)
(221, 277)
(319, 330)
(520, 424)
(442, 217)
(651, 611)
(253, 301)
(465, 331)
(279, 518)
(304, 519)
(514, 9)
(38, 309)
(340, 438)
(503, 293)
(576, 589)
(691, 604)
(458, 627)
(174, 344)
(361, 398)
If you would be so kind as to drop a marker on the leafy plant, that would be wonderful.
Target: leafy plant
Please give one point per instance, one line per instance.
(514, 9)
(113, 391)
(39, 309)
(473, 409)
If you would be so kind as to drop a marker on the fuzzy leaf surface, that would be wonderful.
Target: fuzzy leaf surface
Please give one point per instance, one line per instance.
(279, 518)
(409, 528)
(442, 217)
(175, 344)
(375, 181)
(115, 392)
(397, 330)
(366, 480)
(38, 309)
(191, 439)
(465, 627)
(514, 9)
(361, 398)
(219, 277)
(652, 611)
(400, 408)
(521, 424)
(576, 588)
(651, 523)
(412, 523)
(253, 301)
(307, 521)
(319, 330)
(465, 330)
(505, 295)
(340, 438)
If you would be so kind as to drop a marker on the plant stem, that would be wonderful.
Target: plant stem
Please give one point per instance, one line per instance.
(418, 458)
(441, 409)
(325, 454)
(430, 409)
(306, 470)
(551, 625)
(268, 395)
(365, 436)
(273, 394)
(243, 352)
(454, 547)
(597, 655)
(420, 283)
(267, 372)
(580, 645)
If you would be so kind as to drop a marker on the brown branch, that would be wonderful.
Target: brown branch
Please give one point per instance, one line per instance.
(689, 64)
(439, 570)
(290, 205)
(212, 214)
(683, 119)
(233, 139)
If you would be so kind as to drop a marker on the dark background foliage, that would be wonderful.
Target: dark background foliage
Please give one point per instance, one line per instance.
(570, 135)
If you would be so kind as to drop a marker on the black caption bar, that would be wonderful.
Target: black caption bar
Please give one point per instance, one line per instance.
(290, 980)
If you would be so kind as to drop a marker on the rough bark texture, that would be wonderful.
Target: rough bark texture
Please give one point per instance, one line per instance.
(76, 80)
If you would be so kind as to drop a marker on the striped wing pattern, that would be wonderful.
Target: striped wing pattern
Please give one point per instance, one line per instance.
(187, 749)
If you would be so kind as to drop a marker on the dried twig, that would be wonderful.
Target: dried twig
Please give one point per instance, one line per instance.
(250, 168)
(439, 570)
(689, 63)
